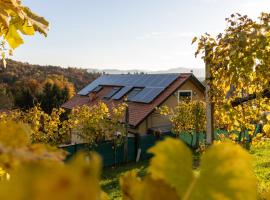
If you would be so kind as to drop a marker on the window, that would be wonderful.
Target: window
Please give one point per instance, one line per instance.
(133, 93)
(111, 93)
(184, 95)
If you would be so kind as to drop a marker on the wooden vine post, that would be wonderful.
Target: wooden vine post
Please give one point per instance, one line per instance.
(208, 100)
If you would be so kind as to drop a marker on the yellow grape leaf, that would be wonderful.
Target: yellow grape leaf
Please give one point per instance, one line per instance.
(13, 37)
(39, 23)
(14, 134)
(27, 29)
(268, 117)
(266, 129)
(15, 17)
(194, 40)
(225, 173)
(135, 188)
(172, 162)
(131, 186)
(76, 180)
(16, 149)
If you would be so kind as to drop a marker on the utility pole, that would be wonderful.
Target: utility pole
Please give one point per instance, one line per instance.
(208, 100)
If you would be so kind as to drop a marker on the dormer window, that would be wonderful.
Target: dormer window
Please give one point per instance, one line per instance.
(111, 93)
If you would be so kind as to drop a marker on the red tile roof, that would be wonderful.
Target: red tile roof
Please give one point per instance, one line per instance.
(137, 111)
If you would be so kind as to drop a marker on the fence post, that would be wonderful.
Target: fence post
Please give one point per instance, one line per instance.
(126, 136)
(138, 149)
(208, 100)
(197, 125)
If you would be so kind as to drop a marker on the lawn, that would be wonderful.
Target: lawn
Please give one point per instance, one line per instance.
(261, 166)
(110, 177)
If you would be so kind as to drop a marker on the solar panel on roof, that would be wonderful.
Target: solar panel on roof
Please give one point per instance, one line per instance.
(152, 94)
(97, 89)
(134, 92)
(153, 85)
(121, 93)
(147, 95)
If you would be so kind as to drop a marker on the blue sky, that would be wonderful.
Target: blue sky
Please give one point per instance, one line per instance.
(126, 34)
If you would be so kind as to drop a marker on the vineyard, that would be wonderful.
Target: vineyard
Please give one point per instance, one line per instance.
(231, 161)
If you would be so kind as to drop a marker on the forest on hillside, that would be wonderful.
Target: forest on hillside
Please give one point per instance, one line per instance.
(23, 85)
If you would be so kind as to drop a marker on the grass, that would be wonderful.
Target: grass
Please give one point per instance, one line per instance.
(261, 167)
(110, 177)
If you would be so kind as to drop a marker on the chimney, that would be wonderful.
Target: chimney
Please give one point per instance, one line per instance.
(92, 96)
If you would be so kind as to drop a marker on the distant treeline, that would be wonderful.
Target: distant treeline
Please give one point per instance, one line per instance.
(23, 85)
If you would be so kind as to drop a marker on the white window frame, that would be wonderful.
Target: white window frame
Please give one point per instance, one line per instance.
(179, 91)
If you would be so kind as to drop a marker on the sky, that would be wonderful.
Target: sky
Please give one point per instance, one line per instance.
(128, 34)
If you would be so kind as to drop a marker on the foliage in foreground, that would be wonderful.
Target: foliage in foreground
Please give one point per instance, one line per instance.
(225, 174)
(36, 172)
(110, 177)
(260, 160)
(17, 150)
(78, 179)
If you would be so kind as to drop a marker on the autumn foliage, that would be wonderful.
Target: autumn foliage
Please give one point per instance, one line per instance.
(240, 69)
(239, 63)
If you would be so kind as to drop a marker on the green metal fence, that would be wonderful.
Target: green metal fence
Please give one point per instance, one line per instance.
(139, 145)
(110, 154)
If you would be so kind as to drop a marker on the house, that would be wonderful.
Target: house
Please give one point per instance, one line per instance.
(144, 93)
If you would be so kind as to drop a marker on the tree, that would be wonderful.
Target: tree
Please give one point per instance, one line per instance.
(239, 61)
(53, 97)
(6, 98)
(98, 123)
(16, 19)
(187, 117)
(24, 99)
